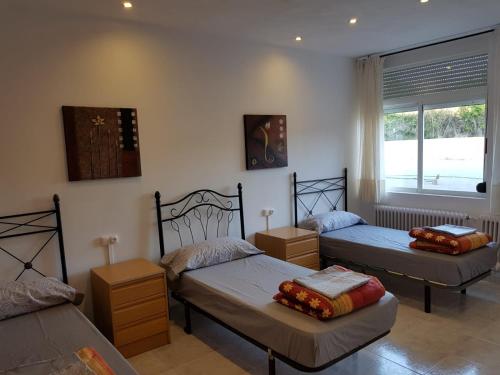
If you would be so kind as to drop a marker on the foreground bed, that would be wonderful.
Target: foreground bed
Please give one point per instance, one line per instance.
(41, 342)
(383, 249)
(44, 341)
(239, 295)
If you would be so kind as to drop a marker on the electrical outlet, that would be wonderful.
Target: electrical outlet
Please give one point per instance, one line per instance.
(267, 211)
(113, 239)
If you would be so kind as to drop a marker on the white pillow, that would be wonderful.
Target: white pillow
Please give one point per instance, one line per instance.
(21, 297)
(206, 253)
(329, 221)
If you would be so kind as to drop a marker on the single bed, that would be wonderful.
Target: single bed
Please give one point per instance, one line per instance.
(239, 295)
(44, 341)
(376, 248)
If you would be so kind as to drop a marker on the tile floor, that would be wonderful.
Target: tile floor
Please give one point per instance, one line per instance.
(460, 337)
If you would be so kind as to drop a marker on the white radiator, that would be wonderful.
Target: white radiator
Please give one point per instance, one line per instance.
(491, 225)
(406, 218)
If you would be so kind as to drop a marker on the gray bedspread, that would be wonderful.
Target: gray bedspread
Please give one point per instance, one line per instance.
(41, 342)
(240, 293)
(388, 248)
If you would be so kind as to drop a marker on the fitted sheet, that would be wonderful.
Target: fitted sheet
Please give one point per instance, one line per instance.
(388, 249)
(239, 293)
(43, 341)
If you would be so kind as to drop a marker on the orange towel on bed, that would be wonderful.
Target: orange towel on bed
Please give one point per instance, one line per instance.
(427, 239)
(320, 307)
(94, 361)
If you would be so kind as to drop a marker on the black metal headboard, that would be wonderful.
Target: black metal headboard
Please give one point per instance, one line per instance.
(332, 190)
(20, 227)
(210, 202)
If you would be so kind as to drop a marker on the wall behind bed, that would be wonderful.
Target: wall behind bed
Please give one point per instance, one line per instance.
(191, 92)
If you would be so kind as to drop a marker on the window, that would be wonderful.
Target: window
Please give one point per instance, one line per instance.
(446, 143)
(435, 126)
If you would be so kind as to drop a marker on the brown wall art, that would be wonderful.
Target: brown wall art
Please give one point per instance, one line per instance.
(265, 141)
(101, 142)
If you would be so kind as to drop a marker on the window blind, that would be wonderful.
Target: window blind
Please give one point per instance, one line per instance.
(456, 74)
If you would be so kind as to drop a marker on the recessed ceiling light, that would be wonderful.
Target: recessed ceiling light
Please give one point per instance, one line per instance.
(298, 39)
(353, 21)
(424, 1)
(127, 4)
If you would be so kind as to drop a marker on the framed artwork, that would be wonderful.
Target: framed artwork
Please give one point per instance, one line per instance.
(101, 142)
(265, 141)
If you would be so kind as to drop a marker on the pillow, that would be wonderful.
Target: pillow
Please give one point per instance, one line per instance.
(206, 253)
(21, 297)
(331, 221)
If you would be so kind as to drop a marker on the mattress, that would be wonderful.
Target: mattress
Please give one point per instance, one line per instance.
(42, 342)
(388, 249)
(239, 293)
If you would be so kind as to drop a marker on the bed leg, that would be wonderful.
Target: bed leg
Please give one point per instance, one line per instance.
(187, 318)
(427, 297)
(271, 362)
(464, 291)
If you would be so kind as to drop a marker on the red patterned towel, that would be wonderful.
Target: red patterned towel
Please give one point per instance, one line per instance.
(427, 239)
(318, 306)
(94, 361)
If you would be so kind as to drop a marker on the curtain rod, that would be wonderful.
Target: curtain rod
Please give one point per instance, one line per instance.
(437, 43)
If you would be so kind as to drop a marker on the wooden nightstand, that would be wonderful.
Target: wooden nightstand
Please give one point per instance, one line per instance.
(295, 245)
(130, 305)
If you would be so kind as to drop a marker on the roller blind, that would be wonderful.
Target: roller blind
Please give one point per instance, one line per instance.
(456, 74)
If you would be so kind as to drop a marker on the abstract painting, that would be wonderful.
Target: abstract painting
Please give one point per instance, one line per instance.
(101, 142)
(265, 141)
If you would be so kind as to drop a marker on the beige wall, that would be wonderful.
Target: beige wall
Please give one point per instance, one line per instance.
(191, 93)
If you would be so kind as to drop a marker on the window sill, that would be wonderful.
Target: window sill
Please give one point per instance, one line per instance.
(440, 194)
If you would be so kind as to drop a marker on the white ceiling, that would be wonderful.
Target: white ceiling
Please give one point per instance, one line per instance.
(383, 24)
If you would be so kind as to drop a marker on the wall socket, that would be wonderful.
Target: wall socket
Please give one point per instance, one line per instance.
(110, 239)
(267, 211)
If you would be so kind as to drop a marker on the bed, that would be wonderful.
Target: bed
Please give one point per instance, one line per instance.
(44, 341)
(238, 294)
(373, 248)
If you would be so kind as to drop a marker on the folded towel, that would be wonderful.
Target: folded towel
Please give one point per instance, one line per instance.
(452, 230)
(447, 243)
(333, 281)
(296, 297)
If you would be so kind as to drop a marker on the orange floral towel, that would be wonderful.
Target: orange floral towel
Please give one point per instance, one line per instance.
(427, 239)
(318, 306)
(94, 361)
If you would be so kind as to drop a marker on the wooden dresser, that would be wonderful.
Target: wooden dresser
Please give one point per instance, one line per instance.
(130, 305)
(295, 245)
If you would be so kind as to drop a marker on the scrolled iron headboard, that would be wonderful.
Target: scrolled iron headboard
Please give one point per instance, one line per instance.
(202, 205)
(332, 190)
(29, 228)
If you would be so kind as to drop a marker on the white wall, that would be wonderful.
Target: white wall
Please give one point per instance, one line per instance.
(191, 94)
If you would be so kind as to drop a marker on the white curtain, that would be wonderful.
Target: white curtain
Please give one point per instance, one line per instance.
(370, 120)
(494, 119)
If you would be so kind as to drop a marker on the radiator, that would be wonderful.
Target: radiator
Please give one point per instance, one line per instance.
(491, 225)
(406, 218)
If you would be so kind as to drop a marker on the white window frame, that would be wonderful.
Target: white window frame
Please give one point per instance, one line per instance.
(428, 102)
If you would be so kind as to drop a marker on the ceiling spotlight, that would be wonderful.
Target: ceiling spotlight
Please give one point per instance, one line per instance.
(353, 21)
(424, 1)
(127, 4)
(298, 39)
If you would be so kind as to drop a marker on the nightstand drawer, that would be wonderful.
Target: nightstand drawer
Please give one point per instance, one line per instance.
(306, 260)
(137, 291)
(140, 311)
(297, 248)
(141, 331)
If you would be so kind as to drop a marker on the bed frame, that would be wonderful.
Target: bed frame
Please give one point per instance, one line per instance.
(25, 224)
(331, 190)
(201, 205)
